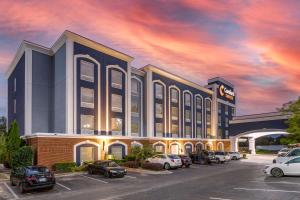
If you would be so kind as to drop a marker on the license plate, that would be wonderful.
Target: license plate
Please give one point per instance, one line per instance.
(42, 179)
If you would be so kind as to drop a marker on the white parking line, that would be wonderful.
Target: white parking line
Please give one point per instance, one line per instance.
(61, 185)
(267, 190)
(11, 191)
(94, 179)
(217, 198)
(279, 182)
(133, 177)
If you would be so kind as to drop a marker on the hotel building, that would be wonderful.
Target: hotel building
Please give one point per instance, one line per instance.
(80, 100)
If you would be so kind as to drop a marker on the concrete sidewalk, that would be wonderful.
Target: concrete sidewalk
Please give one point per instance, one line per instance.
(260, 159)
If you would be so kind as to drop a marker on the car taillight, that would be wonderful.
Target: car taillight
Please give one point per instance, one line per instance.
(172, 160)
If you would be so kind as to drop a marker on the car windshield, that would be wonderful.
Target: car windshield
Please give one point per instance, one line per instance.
(36, 170)
(113, 164)
(173, 156)
(219, 153)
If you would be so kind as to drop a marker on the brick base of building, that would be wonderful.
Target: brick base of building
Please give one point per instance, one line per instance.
(57, 149)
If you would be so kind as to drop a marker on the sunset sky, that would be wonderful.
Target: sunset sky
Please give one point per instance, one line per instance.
(253, 44)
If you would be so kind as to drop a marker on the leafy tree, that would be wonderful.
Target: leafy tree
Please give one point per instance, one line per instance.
(22, 157)
(13, 141)
(3, 125)
(2, 147)
(292, 108)
(142, 153)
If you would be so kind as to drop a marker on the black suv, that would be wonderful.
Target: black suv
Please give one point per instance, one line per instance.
(107, 167)
(201, 157)
(32, 177)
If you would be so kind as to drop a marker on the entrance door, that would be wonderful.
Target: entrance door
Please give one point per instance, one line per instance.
(117, 152)
(175, 149)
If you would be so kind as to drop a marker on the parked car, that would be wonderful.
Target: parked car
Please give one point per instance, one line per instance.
(106, 167)
(202, 157)
(32, 177)
(234, 155)
(283, 151)
(167, 160)
(295, 152)
(290, 167)
(186, 160)
(221, 157)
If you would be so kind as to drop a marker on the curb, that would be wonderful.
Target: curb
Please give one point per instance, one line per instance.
(144, 171)
(68, 174)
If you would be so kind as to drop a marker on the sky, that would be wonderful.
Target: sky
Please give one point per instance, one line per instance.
(252, 44)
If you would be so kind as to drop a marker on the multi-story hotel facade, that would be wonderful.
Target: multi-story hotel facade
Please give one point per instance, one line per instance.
(80, 100)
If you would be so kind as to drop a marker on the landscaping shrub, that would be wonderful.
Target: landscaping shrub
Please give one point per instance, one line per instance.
(119, 161)
(153, 166)
(130, 157)
(64, 167)
(131, 164)
(81, 168)
(22, 157)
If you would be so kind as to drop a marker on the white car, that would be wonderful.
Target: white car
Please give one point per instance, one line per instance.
(290, 167)
(290, 155)
(283, 151)
(167, 160)
(234, 155)
(222, 157)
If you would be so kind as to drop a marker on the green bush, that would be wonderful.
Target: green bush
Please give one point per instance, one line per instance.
(64, 167)
(130, 157)
(81, 168)
(119, 161)
(22, 157)
(131, 164)
(153, 166)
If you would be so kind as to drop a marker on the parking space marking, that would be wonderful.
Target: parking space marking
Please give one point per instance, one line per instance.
(94, 179)
(217, 198)
(61, 185)
(11, 191)
(279, 182)
(133, 177)
(267, 190)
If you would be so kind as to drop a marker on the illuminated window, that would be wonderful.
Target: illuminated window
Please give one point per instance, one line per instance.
(219, 120)
(116, 103)
(117, 151)
(199, 117)
(188, 131)
(219, 133)
(208, 119)
(175, 130)
(87, 154)
(219, 108)
(226, 122)
(159, 148)
(226, 110)
(198, 103)
(174, 96)
(87, 124)
(135, 126)
(116, 126)
(174, 113)
(208, 105)
(87, 97)
(226, 134)
(187, 116)
(159, 91)
(159, 129)
(86, 71)
(158, 110)
(135, 87)
(233, 111)
(198, 132)
(187, 99)
(116, 79)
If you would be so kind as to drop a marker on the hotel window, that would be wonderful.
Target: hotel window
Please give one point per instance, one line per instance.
(219, 133)
(233, 111)
(226, 134)
(87, 124)
(198, 103)
(116, 103)
(15, 106)
(116, 79)
(87, 97)
(175, 130)
(208, 131)
(117, 151)
(188, 131)
(86, 71)
(135, 87)
(135, 107)
(208, 105)
(219, 120)
(159, 148)
(15, 84)
(87, 154)
(158, 110)
(135, 104)
(226, 122)
(135, 126)
(159, 91)
(199, 132)
(116, 126)
(226, 110)
(187, 100)
(174, 96)
(174, 113)
(199, 117)
(159, 129)
(187, 116)
(208, 119)
(219, 108)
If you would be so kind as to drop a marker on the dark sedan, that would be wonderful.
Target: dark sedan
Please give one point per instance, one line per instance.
(32, 177)
(185, 160)
(106, 167)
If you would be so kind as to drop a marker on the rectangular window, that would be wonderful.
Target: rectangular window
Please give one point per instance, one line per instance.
(87, 97)
(86, 71)
(226, 134)
(187, 116)
(174, 113)
(86, 154)
(199, 117)
(135, 126)
(199, 103)
(219, 133)
(187, 100)
(199, 132)
(226, 110)
(158, 91)
(208, 131)
(158, 110)
(116, 79)
(226, 122)
(135, 106)
(15, 84)
(15, 106)
(117, 152)
(208, 105)
(188, 132)
(159, 149)
(219, 108)
(175, 130)
(219, 120)
(116, 126)
(159, 129)
(174, 96)
(208, 119)
(135, 90)
(116, 103)
(233, 111)
(87, 124)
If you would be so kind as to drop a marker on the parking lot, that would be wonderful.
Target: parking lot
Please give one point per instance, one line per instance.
(231, 181)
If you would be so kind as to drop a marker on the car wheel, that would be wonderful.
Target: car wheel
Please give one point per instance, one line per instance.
(218, 161)
(167, 166)
(234, 158)
(12, 182)
(22, 189)
(187, 166)
(107, 174)
(276, 172)
(51, 187)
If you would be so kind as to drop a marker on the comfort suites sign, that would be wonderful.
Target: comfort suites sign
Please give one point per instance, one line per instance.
(226, 93)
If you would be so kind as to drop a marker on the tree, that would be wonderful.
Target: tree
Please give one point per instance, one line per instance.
(141, 154)
(3, 125)
(292, 108)
(22, 157)
(2, 147)
(13, 141)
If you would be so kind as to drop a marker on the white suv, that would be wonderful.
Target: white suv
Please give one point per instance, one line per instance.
(290, 155)
(222, 157)
(167, 160)
(234, 155)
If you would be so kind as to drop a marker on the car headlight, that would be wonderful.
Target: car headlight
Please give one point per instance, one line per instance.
(125, 170)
